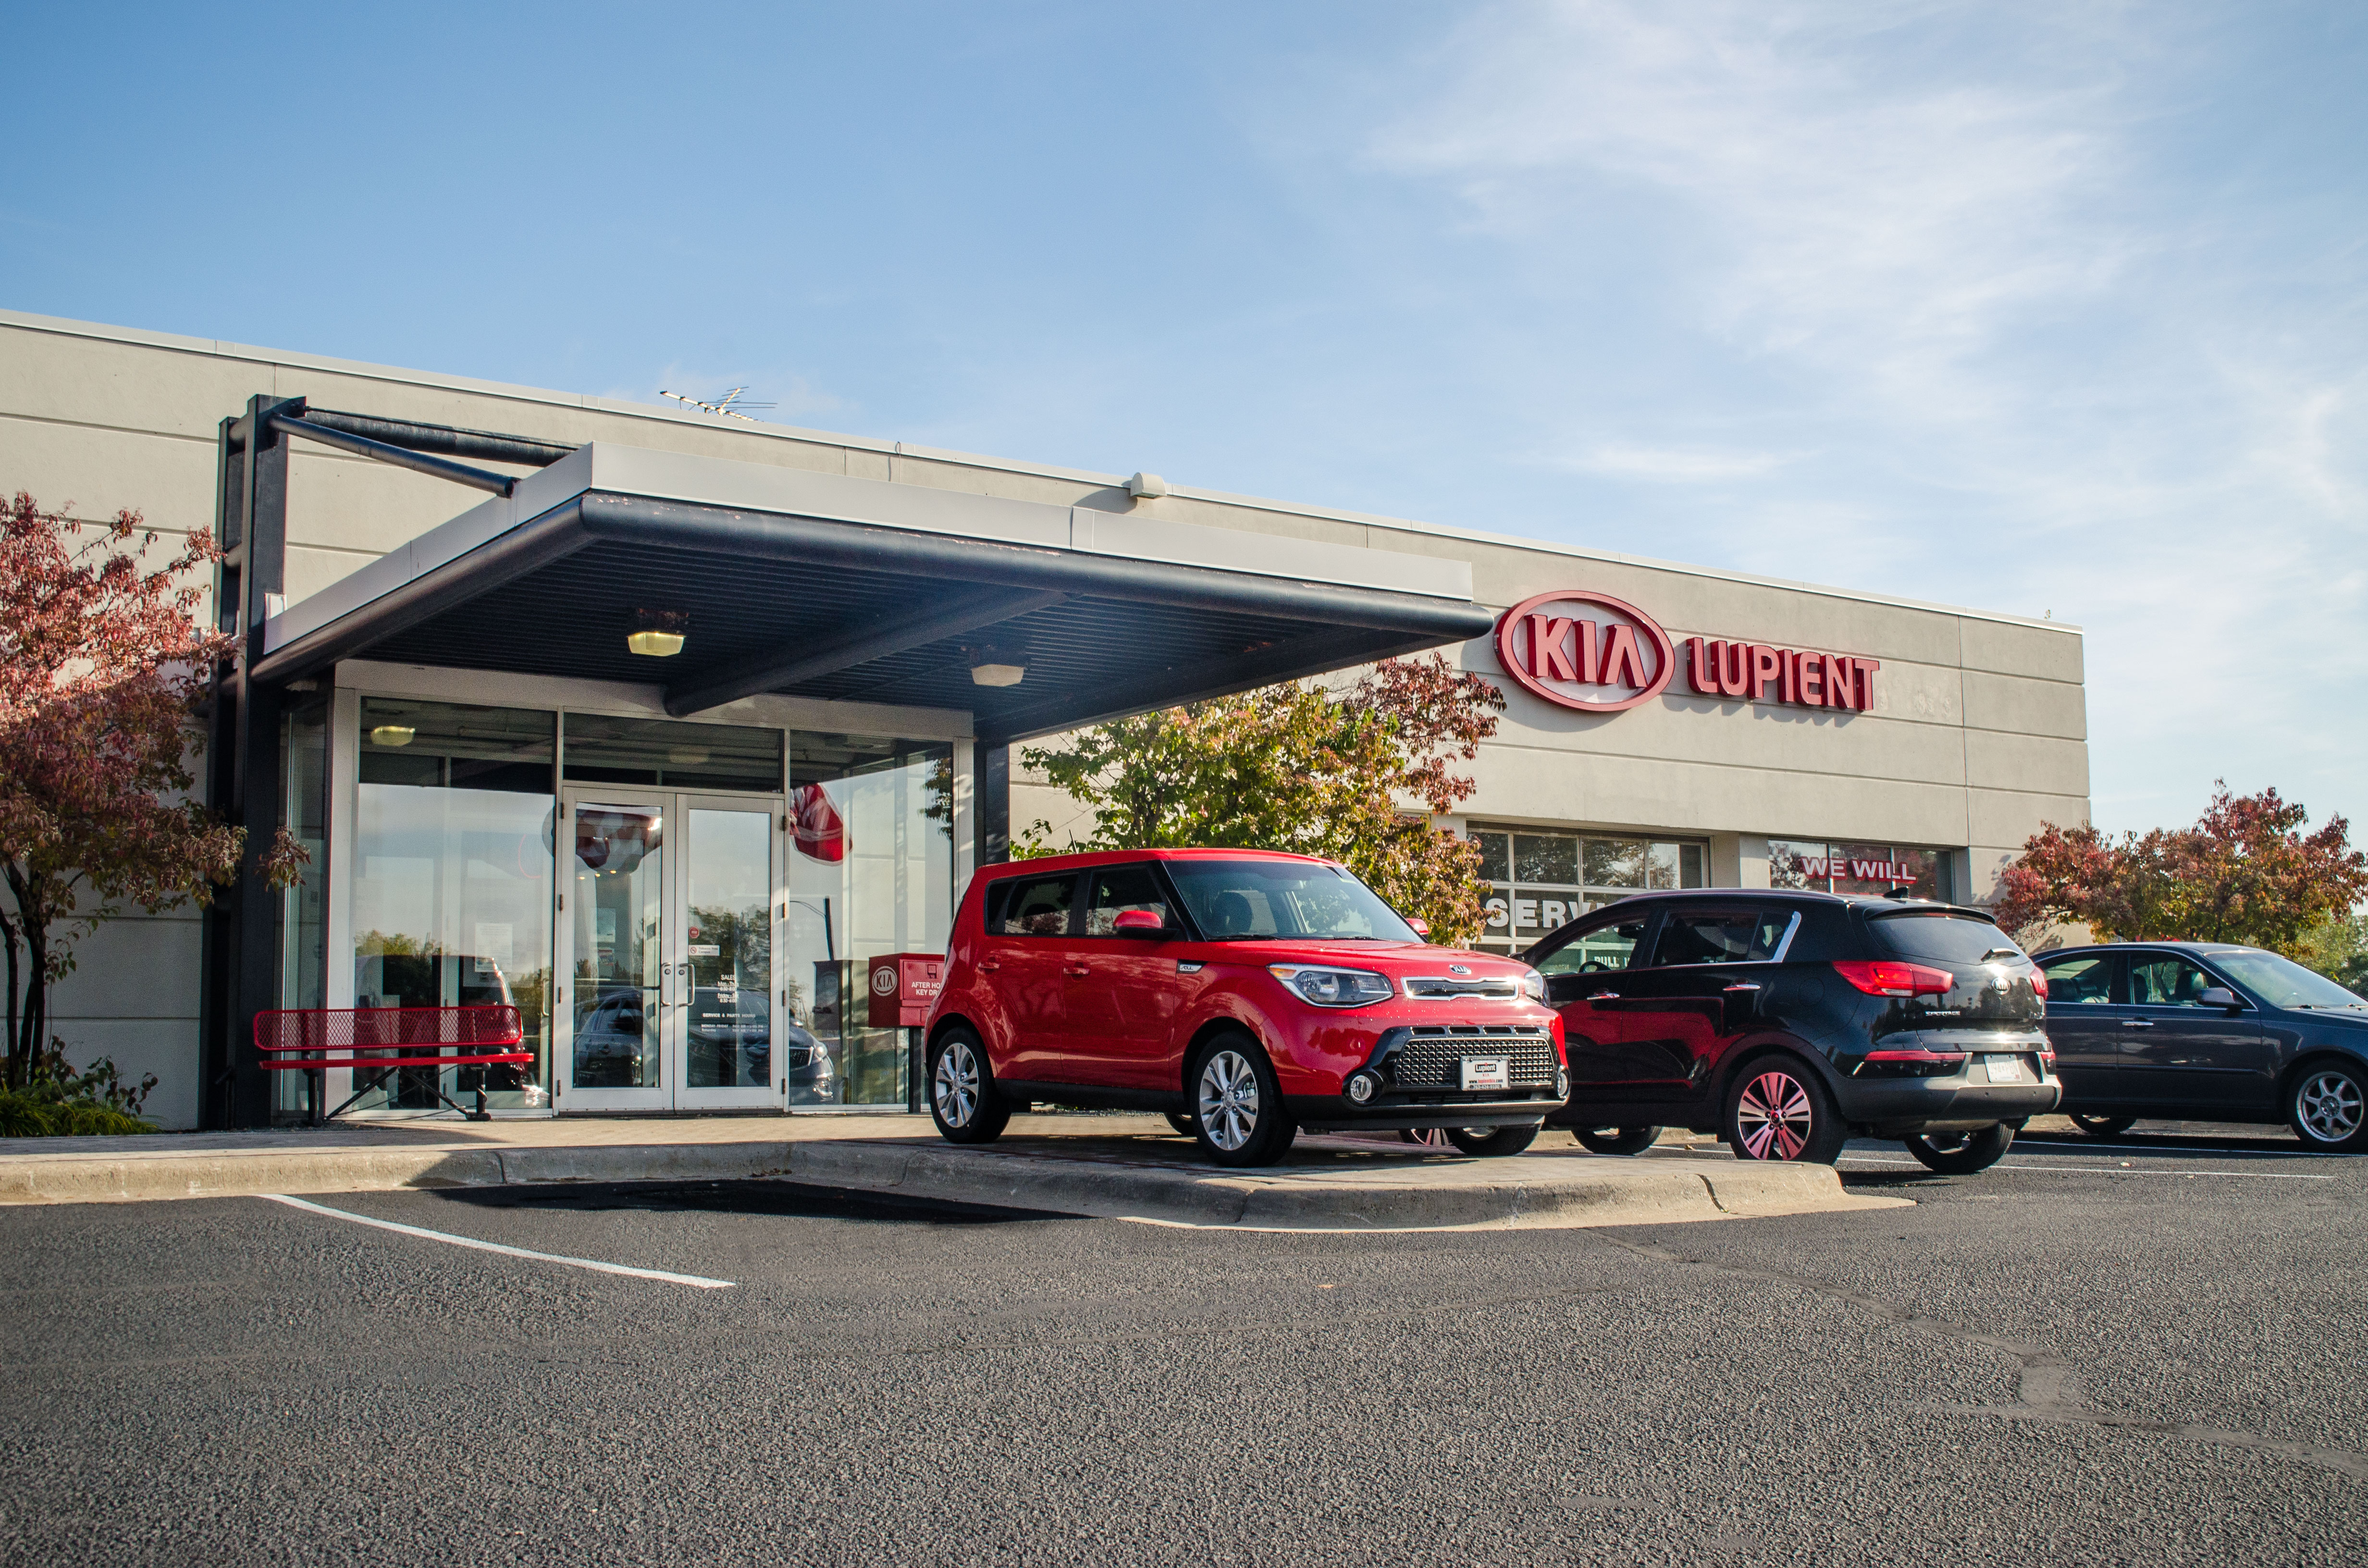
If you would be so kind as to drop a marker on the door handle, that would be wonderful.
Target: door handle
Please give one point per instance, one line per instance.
(1602, 996)
(2137, 1023)
(988, 964)
(1075, 969)
(1747, 985)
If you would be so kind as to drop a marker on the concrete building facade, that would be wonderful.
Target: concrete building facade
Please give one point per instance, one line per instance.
(1858, 740)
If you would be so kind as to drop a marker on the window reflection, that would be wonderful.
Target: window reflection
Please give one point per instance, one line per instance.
(451, 886)
(1538, 881)
(870, 871)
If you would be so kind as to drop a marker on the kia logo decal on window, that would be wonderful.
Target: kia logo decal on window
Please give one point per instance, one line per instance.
(1585, 651)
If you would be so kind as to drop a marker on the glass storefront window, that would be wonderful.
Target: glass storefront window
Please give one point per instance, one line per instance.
(605, 749)
(1880, 871)
(451, 891)
(870, 871)
(302, 916)
(1538, 881)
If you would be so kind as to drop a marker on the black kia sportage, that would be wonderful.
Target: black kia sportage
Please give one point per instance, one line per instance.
(1788, 1022)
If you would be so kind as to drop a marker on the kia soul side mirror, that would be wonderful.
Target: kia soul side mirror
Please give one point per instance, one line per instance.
(2219, 996)
(1139, 922)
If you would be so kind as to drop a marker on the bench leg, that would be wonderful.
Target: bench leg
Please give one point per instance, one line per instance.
(480, 1114)
(375, 1083)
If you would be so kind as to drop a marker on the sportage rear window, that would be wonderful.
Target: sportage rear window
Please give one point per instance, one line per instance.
(1939, 937)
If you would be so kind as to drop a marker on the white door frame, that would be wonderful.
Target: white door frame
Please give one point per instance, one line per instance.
(673, 1011)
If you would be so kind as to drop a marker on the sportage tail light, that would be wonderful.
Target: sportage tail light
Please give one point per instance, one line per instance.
(1918, 1064)
(1920, 1058)
(2039, 983)
(1889, 977)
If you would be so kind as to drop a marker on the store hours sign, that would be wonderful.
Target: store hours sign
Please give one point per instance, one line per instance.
(1593, 654)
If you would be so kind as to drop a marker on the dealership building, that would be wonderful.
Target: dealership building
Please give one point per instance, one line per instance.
(660, 724)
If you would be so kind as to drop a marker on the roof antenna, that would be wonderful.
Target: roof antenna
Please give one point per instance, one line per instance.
(729, 404)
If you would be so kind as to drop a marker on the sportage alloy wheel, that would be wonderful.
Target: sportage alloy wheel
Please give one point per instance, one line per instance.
(1962, 1153)
(2328, 1106)
(1238, 1110)
(1778, 1110)
(962, 1099)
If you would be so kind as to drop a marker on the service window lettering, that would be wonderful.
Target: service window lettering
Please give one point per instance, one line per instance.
(1249, 900)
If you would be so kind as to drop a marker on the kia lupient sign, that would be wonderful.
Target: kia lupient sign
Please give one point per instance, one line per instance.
(1596, 655)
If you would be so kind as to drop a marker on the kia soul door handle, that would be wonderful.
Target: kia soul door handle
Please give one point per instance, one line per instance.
(1077, 969)
(1745, 986)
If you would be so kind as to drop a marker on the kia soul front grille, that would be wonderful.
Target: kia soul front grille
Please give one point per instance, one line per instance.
(1433, 1056)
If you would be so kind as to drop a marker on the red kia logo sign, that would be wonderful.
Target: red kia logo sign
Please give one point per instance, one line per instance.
(1586, 651)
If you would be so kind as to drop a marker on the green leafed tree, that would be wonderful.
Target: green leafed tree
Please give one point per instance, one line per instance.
(1350, 773)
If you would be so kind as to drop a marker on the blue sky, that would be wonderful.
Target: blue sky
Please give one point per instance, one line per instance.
(2039, 308)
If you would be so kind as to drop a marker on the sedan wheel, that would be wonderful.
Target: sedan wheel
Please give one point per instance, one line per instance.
(1238, 1106)
(962, 1099)
(1962, 1153)
(1616, 1140)
(2329, 1107)
(1778, 1110)
(1492, 1142)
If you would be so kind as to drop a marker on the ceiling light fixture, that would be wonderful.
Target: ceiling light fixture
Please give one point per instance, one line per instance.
(392, 735)
(997, 664)
(657, 633)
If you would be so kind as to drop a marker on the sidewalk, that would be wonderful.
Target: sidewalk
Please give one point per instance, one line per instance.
(1117, 1166)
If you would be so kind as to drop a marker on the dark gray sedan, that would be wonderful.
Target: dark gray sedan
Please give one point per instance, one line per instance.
(2205, 1032)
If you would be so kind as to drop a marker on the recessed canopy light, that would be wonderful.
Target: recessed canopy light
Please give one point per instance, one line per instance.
(1003, 662)
(657, 633)
(391, 735)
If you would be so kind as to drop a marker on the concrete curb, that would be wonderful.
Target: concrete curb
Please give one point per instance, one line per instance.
(1523, 1192)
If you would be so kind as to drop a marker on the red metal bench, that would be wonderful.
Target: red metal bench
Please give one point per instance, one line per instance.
(310, 1039)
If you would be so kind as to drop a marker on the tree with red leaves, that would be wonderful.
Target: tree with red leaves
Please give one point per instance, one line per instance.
(2244, 872)
(1297, 767)
(102, 666)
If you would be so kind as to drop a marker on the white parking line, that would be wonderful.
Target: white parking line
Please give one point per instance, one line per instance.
(593, 1263)
(2097, 1170)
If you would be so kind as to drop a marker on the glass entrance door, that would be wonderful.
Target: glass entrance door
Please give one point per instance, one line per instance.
(666, 941)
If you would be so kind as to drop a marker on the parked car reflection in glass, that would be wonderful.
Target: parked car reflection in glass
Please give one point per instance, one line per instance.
(612, 1046)
(729, 1045)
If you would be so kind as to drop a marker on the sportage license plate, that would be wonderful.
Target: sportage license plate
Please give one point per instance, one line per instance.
(2007, 1069)
(1486, 1072)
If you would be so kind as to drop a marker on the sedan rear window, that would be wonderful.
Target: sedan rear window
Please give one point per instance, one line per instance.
(1942, 937)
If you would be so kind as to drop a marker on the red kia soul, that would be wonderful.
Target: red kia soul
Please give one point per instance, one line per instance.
(1246, 994)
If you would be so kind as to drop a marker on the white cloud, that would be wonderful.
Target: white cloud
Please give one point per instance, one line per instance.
(2021, 356)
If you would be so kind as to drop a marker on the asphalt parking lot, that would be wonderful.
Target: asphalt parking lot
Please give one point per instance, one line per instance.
(2149, 1351)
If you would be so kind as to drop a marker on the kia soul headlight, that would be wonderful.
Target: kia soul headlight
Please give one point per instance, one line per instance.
(1334, 987)
(1534, 986)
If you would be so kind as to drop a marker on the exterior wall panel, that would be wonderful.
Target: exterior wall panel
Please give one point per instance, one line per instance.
(1976, 735)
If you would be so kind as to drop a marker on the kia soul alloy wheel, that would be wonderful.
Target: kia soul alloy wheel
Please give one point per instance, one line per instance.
(1237, 1112)
(962, 1099)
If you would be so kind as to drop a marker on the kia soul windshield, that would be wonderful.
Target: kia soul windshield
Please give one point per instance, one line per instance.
(1235, 900)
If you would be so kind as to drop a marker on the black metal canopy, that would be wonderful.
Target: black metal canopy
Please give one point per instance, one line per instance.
(827, 607)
